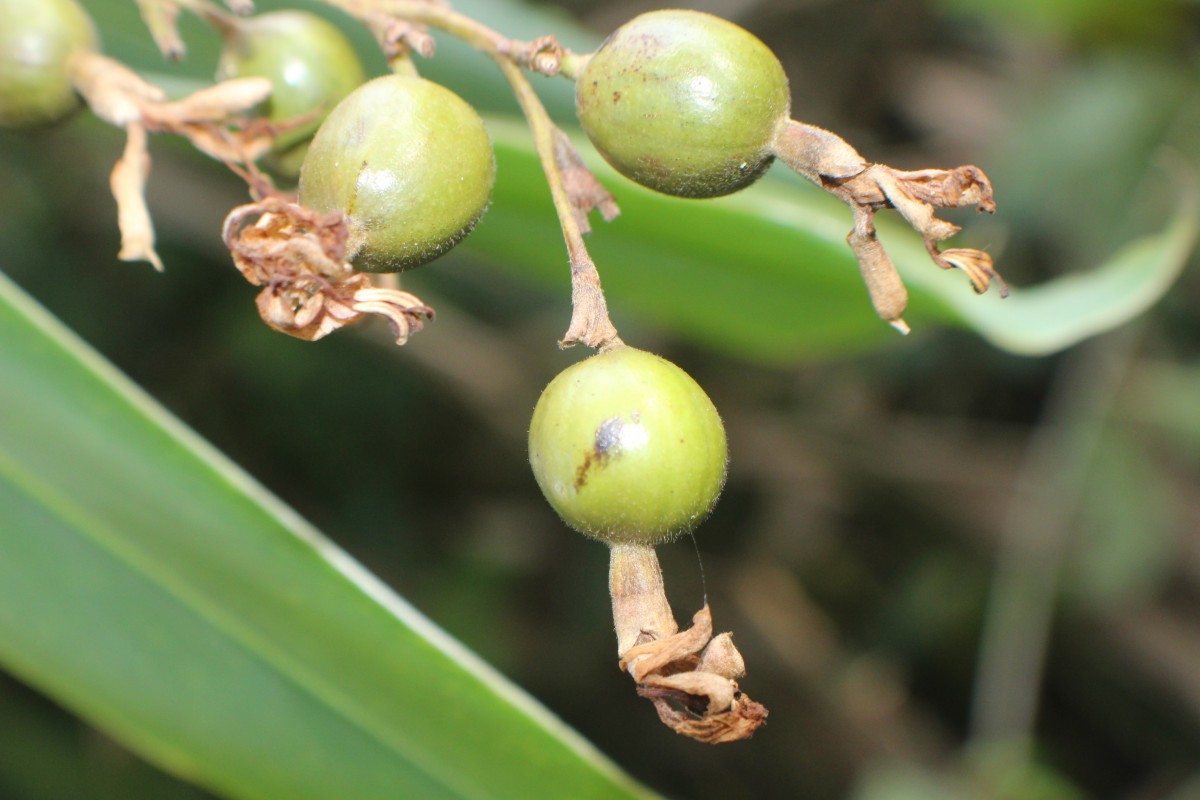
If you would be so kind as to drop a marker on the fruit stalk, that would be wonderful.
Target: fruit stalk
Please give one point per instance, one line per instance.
(641, 611)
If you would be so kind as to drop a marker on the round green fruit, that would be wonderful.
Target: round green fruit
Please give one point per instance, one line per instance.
(683, 102)
(310, 64)
(37, 40)
(627, 448)
(409, 163)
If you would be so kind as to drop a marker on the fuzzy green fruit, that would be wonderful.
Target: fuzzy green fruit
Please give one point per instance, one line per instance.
(683, 102)
(627, 448)
(410, 165)
(37, 40)
(310, 64)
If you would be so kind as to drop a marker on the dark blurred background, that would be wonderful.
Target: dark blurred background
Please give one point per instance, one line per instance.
(954, 572)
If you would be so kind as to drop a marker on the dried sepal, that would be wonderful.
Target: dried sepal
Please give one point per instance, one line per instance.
(309, 290)
(690, 675)
(830, 162)
(975, 263)
(590, 324)
(584, 190)
(399, 38)
(128, 184)
(543, 55)
(695, 691)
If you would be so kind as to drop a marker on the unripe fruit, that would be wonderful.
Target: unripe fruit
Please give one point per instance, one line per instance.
(627, 448)
(37, 40)
(311, 67)
(410, 165)
(683, 102)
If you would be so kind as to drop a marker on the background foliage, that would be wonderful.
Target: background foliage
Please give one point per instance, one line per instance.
(924, 540)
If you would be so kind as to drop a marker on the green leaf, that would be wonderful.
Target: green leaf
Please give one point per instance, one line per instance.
(766, 274)
(1122, 552)
(152, 587)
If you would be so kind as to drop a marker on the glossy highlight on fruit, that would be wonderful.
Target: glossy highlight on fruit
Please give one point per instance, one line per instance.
(627, 448)
(310, 64)
(37, 40)
(410, 165)
(683, 102)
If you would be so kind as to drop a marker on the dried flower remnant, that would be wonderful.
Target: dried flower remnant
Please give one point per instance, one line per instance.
(309, 290)
(543, 55)
(830, 162)
(399, 39)
(690, 676)
(128, 185)
(208, 118)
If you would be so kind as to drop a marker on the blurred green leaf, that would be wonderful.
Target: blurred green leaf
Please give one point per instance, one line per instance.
(56, 756)
(1166, 396)
(150, 586)
(1085, 20)
(1122, 553)
(996, 772)
(902, 781)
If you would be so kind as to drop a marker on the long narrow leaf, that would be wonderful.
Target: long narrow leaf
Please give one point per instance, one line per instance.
(151, 586)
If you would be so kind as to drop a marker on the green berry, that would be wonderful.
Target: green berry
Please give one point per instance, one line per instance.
(310, 64)
(410, 165)
(627, 448)
(683, 102)
(37, 40)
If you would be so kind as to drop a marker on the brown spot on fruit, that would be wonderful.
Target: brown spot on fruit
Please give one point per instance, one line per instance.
(608, 437)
